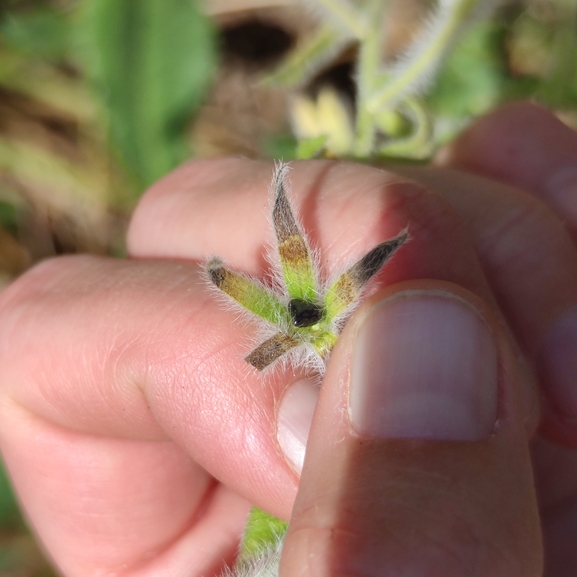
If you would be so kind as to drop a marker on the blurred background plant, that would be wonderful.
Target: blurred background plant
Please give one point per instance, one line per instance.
(99, 98)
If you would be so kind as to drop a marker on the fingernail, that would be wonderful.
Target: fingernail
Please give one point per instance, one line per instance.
(424, 366)
(294, 420)
(561, 191)
(558, 364)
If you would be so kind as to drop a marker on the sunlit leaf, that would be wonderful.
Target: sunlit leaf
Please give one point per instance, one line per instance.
(8, 216)
(152, 61)
(42, 33)
(281, 146)
(472, 80)
(311, 147)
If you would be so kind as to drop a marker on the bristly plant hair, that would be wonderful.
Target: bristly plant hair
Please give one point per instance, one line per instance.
(265, 564)
(417, 67)
(302, 314)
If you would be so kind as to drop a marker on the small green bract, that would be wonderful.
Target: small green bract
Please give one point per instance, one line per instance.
(306, 316)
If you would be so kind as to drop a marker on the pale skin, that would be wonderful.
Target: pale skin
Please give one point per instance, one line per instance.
(137, 436)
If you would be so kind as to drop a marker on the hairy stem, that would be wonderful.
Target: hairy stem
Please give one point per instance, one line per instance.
(347, 15)
(367, 71)
(448, 20)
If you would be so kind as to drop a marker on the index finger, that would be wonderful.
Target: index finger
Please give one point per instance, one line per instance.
(142, 350)
(145, 351)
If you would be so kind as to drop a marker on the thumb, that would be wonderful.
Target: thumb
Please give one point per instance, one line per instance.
(417, 462)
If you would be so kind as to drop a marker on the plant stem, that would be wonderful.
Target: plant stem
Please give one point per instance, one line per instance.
(428, 53)
(367, 72)
(347, 15)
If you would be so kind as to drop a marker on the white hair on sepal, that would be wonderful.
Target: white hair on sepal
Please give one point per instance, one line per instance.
(300, 330)
(370, 288)
(304, 356)
(265, 564)
(244, 316)
(255, 328)
(272, 254)
(275, 274)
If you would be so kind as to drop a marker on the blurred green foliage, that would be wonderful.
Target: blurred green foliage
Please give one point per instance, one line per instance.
(151, 61)
(41, 33)
(89, 89)
(559, 89)
(522, 54)
(9, 516)
(473, 78)
(281, 146)
(8, 220)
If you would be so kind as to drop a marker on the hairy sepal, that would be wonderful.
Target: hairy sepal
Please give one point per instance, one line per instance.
(265, 564)
(248, 292)
(283, 338)
(294, 253)
(344, 294)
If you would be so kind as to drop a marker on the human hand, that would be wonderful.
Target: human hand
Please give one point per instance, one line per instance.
(136, 435)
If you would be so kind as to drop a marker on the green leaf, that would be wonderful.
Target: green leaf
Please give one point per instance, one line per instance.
(392, 123)
(43, 33)
(262, 531)
(8, 217)
(417, 144)
(307, 58)
(560, 88)
(280, 146)
(152, 61)
(472, 80)
(311, 147)
(9, 514)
